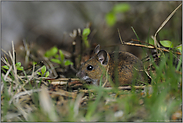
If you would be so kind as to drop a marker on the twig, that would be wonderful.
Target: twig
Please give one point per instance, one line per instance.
(120, 88)
(162, 25)
(59, 82)
(154, 37)
(122, 42)
(150, 47)
(62, 79)
(73, 51)
(128, 87)
(65, 93)
(139, 45)
(142, 42)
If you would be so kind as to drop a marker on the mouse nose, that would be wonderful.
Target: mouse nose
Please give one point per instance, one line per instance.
(80, 74)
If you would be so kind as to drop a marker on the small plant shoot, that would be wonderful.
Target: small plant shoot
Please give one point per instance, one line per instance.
(56, 55)
(43, 72)
(85, 34)
(17, 65)
(51, 52)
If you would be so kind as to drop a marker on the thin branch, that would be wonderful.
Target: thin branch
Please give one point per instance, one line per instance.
(7, 73)
(163, 24)
(150, 47)
(120, 88)
(122, 42)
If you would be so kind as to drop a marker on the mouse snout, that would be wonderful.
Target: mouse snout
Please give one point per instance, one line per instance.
(80, 74)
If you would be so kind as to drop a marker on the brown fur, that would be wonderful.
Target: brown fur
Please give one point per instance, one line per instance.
(129, 68)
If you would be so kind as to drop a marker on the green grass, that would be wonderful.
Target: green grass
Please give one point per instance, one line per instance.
(157, 102)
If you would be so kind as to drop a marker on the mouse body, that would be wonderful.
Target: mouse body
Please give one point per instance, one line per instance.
(113, 69)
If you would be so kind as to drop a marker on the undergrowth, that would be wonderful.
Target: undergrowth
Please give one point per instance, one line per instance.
(157, 102)
(30, 97)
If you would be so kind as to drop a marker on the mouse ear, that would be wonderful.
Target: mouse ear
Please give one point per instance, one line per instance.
(97, 49)
(103, 57)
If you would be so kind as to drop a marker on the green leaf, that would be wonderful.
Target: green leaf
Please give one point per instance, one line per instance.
(110, 19)
(5, 66)
(43, 70)
(38, 73)
(179, 48)
(56, 61)
(18, 64)
(51, 52)
(123, 7)
(86, 32)
(166, 43)
(56, 56)
(62, 57)
(67, 62)
(34, 63)
(20, 68)
(135, 33)
(47, 74)
(151, 41)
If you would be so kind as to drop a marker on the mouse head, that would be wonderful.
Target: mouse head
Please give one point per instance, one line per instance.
(95, 67)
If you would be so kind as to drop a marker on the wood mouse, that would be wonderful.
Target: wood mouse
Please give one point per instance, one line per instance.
(105, 66)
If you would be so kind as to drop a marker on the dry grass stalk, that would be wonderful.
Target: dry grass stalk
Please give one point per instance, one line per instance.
(17, 96)
(106, 78)
(149, 47)
(163, 24)
(65, 93)
(8, 79)
(12, 68)
(77, 104)
(11, 116)
(13, 63)
(157, 45)
(61, 81)
(122, 42)
(21, 110)
(27, 50)
(120, 88)
(3, 60)
(7, 73)
(47, 104)
(128, 87)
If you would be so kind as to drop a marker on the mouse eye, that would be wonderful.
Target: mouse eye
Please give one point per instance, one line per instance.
(90, 67)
